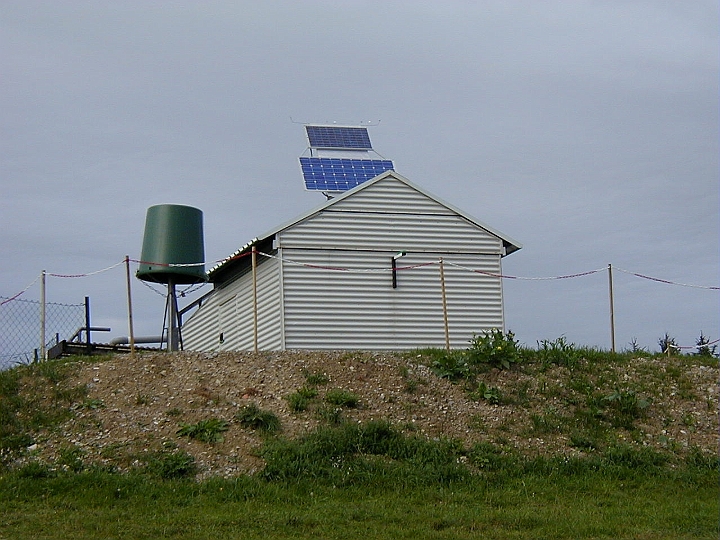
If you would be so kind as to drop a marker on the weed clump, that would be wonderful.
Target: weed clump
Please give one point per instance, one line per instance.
(300, 400)
(209, 431)
(453, 365)
(558, 352)
(252, 417)
(316, 378)
(495, 349)
(625, 407)
(342, 398)
(491, 394)
(492, 349)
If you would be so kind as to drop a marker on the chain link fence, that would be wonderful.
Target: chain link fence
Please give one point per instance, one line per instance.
(20, 327)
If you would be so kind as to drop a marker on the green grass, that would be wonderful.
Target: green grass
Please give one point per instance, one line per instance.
(558, 504)
(25, 412)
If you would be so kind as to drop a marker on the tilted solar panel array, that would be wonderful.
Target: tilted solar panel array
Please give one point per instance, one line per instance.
(349, 163)
(340, 174)
(356, 138)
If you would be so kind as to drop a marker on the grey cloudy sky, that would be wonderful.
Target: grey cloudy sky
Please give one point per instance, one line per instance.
(586, 130)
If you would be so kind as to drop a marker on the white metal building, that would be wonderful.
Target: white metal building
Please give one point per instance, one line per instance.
(325, 280)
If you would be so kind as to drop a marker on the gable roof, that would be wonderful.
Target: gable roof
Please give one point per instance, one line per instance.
(509, 244)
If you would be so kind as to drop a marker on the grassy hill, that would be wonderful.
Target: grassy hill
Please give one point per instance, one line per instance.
(393, 424)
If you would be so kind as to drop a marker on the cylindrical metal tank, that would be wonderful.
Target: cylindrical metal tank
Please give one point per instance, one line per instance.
(173, 236)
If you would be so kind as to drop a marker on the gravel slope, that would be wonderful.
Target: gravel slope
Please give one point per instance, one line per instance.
(135, 404)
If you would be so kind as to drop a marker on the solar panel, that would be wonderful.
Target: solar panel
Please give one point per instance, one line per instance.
(355, 138)
(340, 174)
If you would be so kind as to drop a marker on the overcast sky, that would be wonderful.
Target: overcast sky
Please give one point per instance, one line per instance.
(586, 130)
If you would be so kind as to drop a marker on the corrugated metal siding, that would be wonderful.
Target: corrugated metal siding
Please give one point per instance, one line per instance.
(391, 195)
(387, 232)
(269, 306)
(200, 329)
(331, 309)
(389, 215)
(230, 313)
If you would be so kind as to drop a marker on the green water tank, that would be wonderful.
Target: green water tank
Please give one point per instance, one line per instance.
(173, 236)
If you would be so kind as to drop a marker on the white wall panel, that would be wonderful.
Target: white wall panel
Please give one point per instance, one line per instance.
(332, 309)
(231, 314)
(200, 328)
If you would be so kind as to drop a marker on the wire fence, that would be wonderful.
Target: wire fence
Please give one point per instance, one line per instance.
(20, 321)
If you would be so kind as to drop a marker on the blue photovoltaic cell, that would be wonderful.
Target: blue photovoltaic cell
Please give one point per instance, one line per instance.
(338, 137)
(339, 174)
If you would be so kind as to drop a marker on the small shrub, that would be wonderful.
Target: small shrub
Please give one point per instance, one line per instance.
(252, 417)
(297, 403)
(52, 370)
(491, 457)
(308, 392)
(143, 399)
(704, 348)
(635, 348)
(702, 460)
(348, 455)
(209, 431)
(668, 345)
(70, 395)
(342, 398)
(547, 423)
(634, 457)
(494, 348)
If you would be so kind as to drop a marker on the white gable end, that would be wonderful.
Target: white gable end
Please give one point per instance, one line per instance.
(389, 216)
(390, 195)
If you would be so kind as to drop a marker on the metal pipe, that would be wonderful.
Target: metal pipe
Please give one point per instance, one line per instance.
(123, 340)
